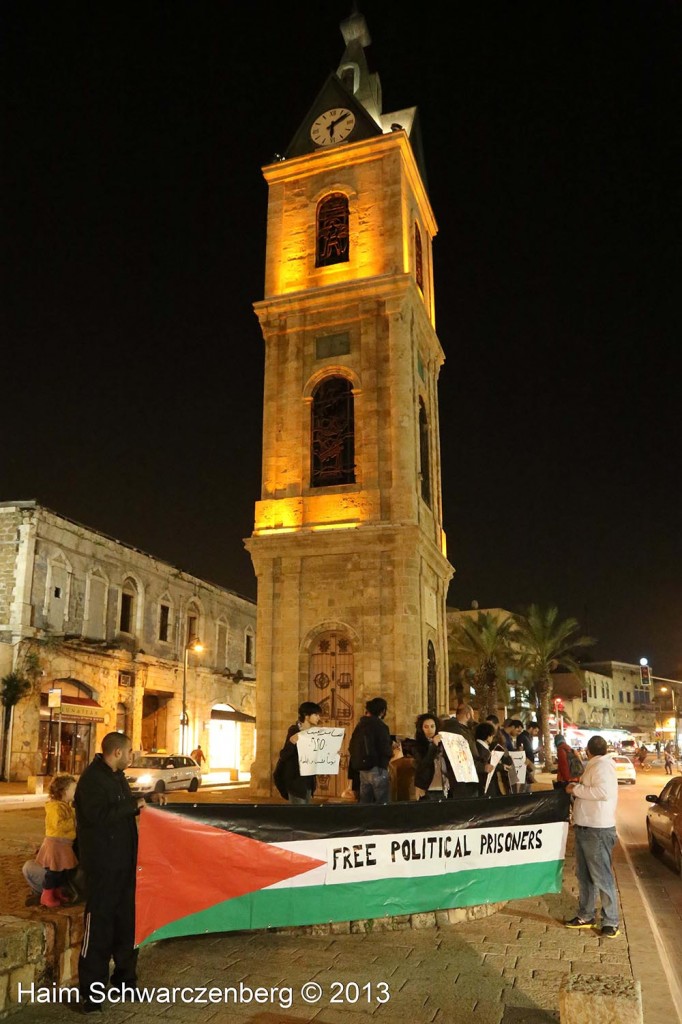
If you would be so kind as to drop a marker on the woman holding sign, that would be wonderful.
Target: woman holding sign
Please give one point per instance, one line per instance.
(428, 774)
(299, 788)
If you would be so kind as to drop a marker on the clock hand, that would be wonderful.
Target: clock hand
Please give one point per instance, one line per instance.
(338, 120)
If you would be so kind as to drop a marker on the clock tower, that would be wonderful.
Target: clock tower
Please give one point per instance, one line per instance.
(348, 545)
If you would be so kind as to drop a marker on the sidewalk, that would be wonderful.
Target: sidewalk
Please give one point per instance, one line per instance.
(502, 969)
(16, 794)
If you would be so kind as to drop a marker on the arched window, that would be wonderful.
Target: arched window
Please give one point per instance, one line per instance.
(332, 454)
(332, 231)
(424, 463)
(431, 679)
(418, 258)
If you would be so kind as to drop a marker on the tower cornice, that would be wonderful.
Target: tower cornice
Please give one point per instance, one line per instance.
(356, 153)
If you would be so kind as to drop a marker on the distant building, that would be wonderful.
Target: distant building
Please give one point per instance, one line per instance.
(109, 626)
(610, 696)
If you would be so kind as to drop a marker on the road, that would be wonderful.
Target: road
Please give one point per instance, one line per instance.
(659, 886)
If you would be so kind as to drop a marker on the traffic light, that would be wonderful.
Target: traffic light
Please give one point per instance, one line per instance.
(584, 696)
(645, 674)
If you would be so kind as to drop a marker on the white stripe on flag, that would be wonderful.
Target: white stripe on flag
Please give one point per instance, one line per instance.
(409, 854)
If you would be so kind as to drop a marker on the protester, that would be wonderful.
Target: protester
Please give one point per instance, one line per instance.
(524, 741)
(567, 769)
(486, 734)
(510, 731)
(107, 846)
(460, 725)
(370, 752)
(594, 826)
(299, 788)
(499, 735)
(426, 727)
(198, 755)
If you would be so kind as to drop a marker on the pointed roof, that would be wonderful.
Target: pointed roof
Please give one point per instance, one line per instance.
(355, 87)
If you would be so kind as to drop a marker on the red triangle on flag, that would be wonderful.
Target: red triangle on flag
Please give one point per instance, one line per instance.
(185, 866)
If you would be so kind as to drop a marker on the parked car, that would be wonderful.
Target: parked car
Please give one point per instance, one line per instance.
(156, 773)
(625, 769)
(664, 822)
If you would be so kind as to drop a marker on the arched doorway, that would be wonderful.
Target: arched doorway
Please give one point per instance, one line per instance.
(331, 685)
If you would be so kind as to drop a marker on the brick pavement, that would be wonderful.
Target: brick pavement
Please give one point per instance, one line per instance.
(504, 969)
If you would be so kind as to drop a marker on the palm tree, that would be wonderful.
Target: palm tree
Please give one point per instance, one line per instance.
(545, 644)
(483, 644)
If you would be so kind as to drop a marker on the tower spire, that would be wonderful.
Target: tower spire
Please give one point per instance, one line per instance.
(353, 69)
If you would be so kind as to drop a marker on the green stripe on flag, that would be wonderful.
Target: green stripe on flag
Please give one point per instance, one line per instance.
(319, 904)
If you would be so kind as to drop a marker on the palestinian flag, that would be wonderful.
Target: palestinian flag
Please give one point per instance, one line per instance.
(227, 867)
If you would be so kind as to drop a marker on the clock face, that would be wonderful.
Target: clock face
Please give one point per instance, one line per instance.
(333, 126)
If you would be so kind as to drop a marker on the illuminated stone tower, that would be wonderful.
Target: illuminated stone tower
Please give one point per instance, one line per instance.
(348, 545)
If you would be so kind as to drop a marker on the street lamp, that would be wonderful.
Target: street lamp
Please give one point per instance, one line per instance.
(197, 647)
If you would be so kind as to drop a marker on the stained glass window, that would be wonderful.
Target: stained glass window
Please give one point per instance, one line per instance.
(332, 231)
(332, 433)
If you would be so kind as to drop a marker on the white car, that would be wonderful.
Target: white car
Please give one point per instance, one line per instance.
(157, 773)
(625, 769)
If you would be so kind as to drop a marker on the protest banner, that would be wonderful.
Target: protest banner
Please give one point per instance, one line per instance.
(519, 759)
(458, 753)
(319, 750)
(495, 756)
(247, 866)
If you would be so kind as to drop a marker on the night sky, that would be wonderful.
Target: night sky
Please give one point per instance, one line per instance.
(133, 224)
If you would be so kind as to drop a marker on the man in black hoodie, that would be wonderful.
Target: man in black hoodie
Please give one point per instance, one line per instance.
(370, 750)
(106, 832)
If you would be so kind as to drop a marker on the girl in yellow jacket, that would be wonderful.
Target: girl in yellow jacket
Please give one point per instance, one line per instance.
(56, 853)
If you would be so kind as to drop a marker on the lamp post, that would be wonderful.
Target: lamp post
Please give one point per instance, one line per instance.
(197, 647)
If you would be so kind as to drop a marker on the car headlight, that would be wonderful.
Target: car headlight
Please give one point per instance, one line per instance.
(144, 780)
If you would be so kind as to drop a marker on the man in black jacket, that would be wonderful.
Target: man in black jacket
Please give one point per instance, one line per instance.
(371, 750)
(299, 788)
(107, 848)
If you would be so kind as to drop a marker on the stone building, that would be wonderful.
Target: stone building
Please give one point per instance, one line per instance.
(611, 695)
(348, 544)
(107, 628)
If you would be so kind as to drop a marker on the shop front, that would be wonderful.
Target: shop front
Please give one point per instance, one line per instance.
(68, 726)
(231, 740)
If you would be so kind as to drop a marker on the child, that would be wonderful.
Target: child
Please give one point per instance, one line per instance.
(56, 853)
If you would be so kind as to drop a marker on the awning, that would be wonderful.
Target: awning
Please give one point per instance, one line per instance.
(83, 708)
(231, 716)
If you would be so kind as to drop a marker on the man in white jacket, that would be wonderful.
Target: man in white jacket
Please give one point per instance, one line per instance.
(594, 827)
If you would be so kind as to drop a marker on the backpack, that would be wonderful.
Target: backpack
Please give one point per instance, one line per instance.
(361, 751)
(575, 765)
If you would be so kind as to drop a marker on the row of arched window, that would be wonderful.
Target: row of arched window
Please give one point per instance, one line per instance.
(129, 614)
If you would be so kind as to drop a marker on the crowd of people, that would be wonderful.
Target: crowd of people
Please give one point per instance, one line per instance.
(421, 769)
